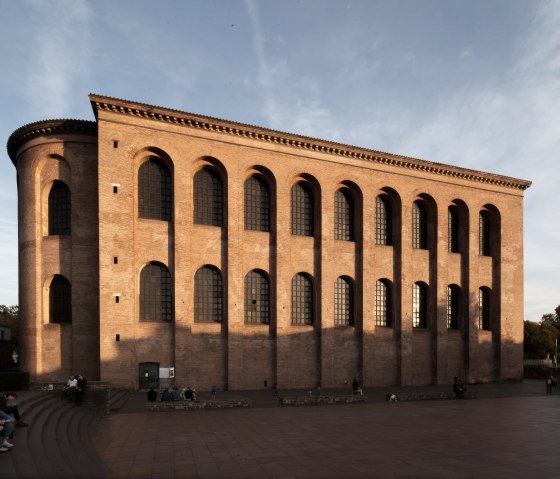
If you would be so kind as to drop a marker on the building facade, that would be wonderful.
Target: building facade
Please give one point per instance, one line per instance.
(154, 241)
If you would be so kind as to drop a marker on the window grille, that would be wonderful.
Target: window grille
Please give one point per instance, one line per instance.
(419, 226)
(208, 198)
(453, 306)
(60, 300)
(484, 234)
(155, 196)
(383, 313)
(419, 306)
(383, 221)
(59, 209)
(343, 216)
(302, 210)
(452, 230)
(483, 309)
(343, 303)
(208, 295)
(302, 300)
(156, 299)
(257, 298)
(257, 205)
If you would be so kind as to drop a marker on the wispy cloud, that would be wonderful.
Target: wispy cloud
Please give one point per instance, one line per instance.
(59, 53)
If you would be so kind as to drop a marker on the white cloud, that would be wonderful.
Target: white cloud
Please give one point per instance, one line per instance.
(59, 57)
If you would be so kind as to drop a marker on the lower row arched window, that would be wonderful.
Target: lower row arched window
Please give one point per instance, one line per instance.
(419, 306)
(484, 309)
(383, 310)
(208, 295)
(343, 302)
(257, 298)
(60, 300)
(156, 297)
(302, 299)
(453, 306)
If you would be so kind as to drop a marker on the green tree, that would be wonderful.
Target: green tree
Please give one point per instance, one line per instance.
(9, 317)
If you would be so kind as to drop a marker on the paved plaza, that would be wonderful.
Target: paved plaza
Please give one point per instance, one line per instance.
(514, 436)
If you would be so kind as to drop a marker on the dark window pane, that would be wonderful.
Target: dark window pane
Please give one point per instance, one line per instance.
(302, 210)
(208, 198)
(452, 231)
(257, 299)
(208, 295)
(60, 300)
(453, 307)
(343, 216)
(156, 299)
(59, 209)
(343, 303)
(257, 205)
(302, 300)
(484, 234)
(154, 191)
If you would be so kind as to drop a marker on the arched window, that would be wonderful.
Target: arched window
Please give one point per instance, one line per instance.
(453, 306)
(302, 210)
(383, 221)
(60, 300)
(484, 309)
(155, 195)
(208, 295)
(383, 310)
(343, 302)
(452, 230)
(419, 306)
(419, 226)
(484, 234)
(343, 216)
(208, 198)
(257, 205)
(302, 300)
(59, 209)
(257, 298)
(156, 299)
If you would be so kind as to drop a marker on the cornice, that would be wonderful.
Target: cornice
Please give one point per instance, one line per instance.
(191, 120)
(46, 128)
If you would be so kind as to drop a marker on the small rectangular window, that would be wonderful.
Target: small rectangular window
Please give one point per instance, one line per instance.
(115, 259)
(115, 143)
(117, 299)
(118, 337)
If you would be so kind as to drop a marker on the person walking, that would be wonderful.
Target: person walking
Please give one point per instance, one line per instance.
(213, 392)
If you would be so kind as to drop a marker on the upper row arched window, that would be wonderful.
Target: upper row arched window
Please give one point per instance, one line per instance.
(343, 216)
(383, 221)
(302, 210)
(419, 225)
(208, 198)
(155, 192)
(59, 209)
(257, 204)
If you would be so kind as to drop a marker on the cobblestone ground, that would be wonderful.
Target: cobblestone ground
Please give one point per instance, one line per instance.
(502, 437)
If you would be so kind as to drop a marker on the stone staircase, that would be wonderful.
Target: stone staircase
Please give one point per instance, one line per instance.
(58, 443)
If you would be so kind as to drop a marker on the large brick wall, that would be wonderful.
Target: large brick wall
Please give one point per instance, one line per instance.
(102, 173)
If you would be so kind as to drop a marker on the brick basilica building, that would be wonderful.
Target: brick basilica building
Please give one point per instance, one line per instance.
(158, 245)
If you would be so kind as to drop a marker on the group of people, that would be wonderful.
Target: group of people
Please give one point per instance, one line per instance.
(173, 394)
(75, 389)
(356, 388)
(9, 417)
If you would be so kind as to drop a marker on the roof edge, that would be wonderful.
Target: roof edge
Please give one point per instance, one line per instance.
(193, 120)
(45, 128)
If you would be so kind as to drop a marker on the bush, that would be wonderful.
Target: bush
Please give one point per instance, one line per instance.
(14, 381)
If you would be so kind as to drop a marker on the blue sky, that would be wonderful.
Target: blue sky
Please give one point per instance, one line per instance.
(474, 84)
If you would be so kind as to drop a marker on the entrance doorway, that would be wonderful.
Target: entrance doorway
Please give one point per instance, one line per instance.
(148, 376)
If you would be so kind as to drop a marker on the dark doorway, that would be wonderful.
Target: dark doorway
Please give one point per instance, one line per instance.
(148, 376)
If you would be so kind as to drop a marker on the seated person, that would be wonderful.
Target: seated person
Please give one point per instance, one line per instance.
(188, 394)
(166, 395)
(175, 394)
(152, 395)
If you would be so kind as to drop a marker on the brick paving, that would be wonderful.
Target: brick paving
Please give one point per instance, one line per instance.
(509, 431)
